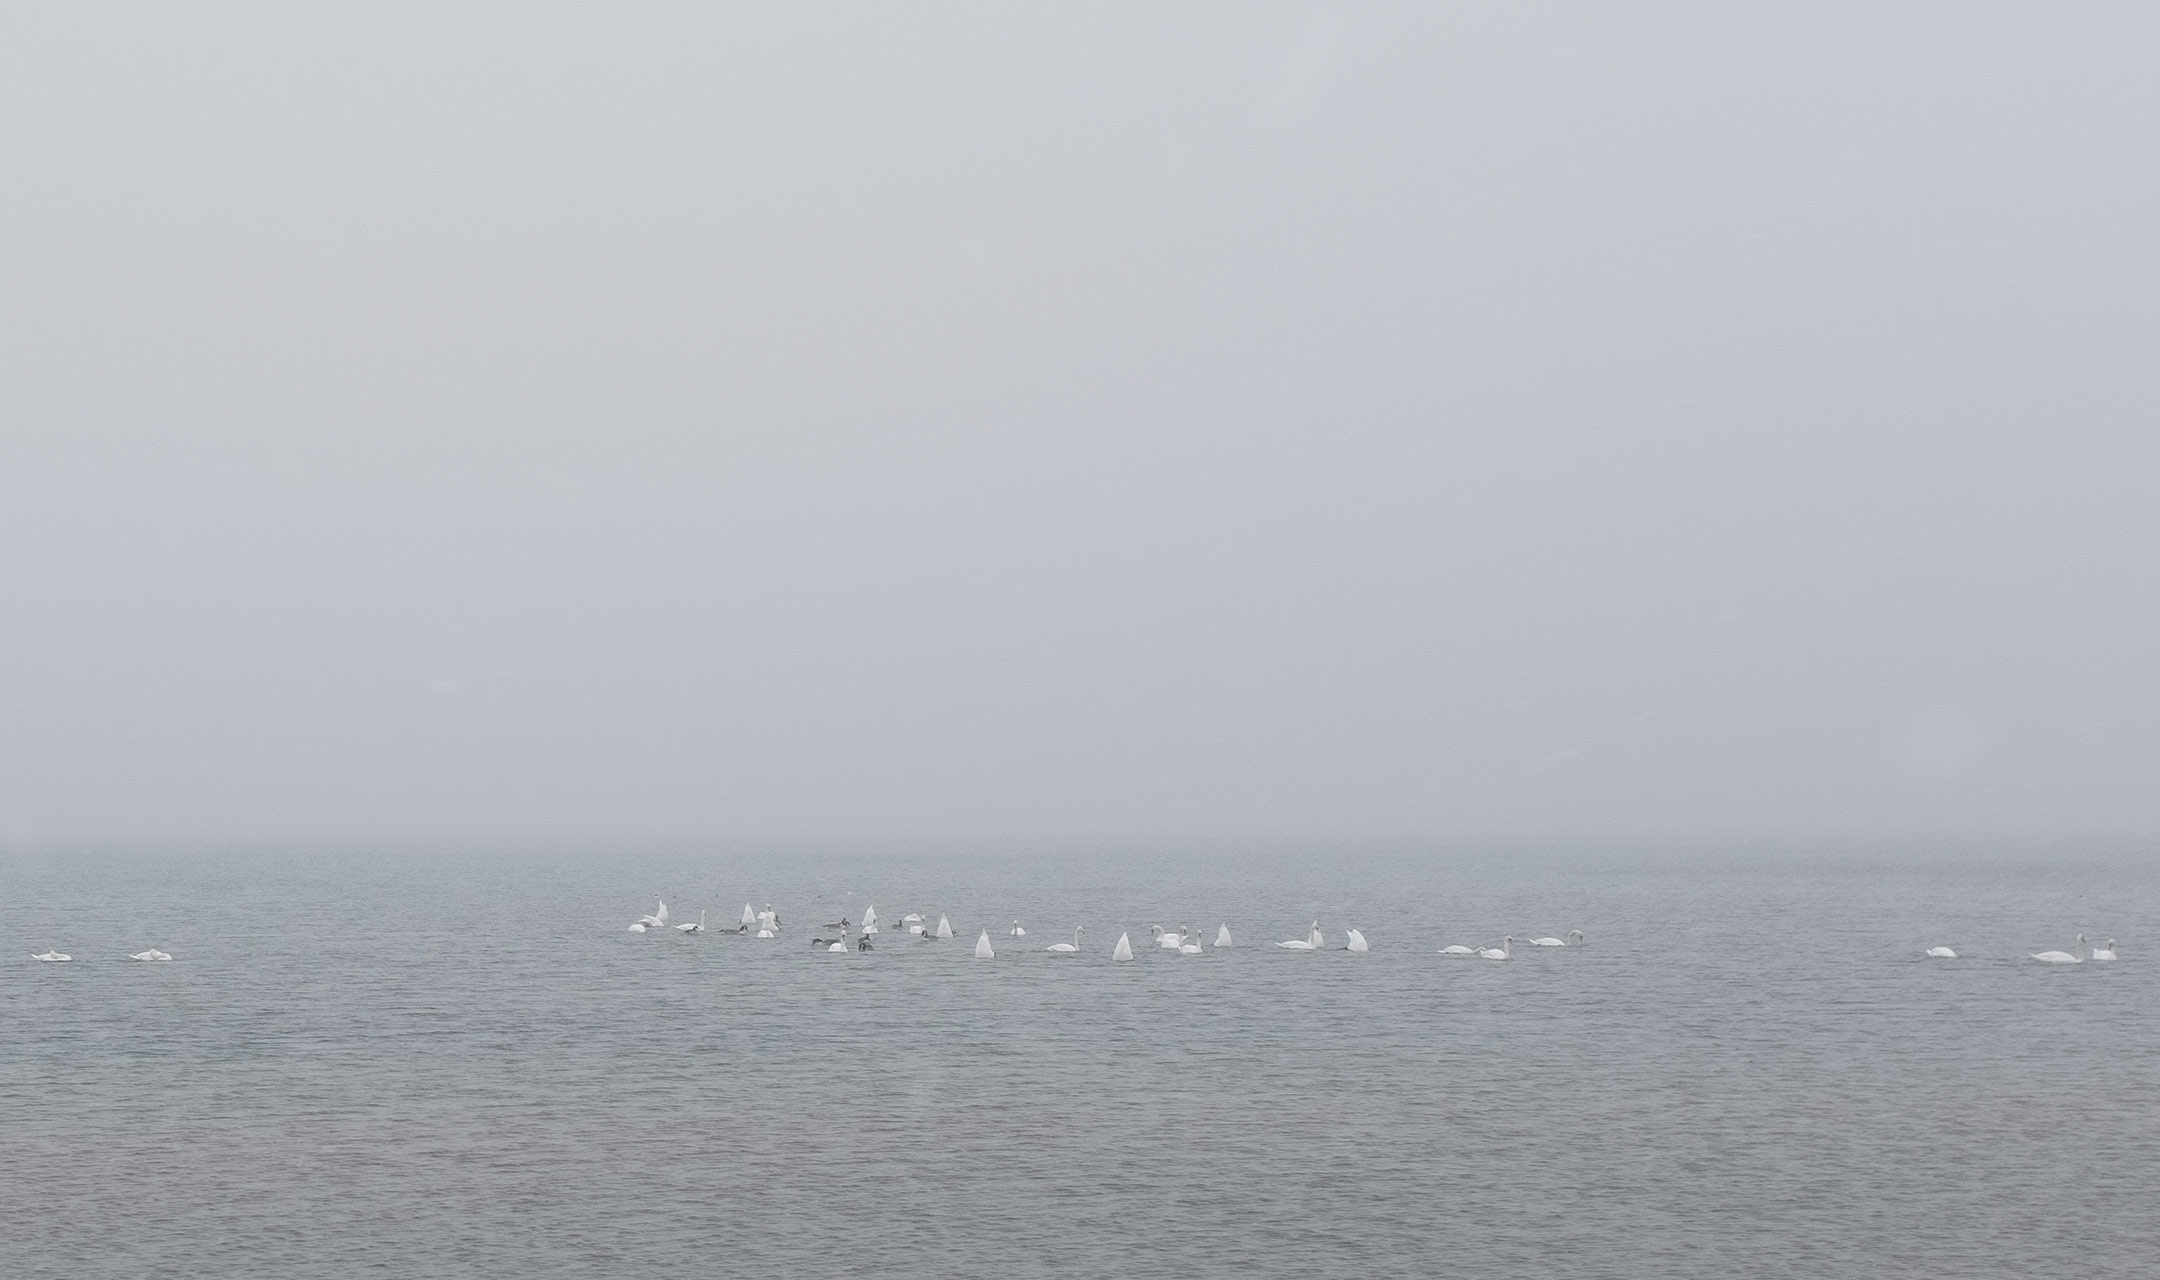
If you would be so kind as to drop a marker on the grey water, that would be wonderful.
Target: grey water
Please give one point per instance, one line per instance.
(422, 1063)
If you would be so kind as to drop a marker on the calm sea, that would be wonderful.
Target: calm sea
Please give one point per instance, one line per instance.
(454, 1063)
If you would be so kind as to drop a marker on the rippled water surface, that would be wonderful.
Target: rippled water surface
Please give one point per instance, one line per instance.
(462, 1064)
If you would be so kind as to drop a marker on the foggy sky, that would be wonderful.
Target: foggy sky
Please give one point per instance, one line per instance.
(1587, 422)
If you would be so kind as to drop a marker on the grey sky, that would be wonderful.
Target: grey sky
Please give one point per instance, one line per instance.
(1585, 421)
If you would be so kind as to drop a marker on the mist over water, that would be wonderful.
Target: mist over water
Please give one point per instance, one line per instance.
(461, 1064)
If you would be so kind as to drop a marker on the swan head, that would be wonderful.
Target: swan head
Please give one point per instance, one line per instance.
(1575, 936)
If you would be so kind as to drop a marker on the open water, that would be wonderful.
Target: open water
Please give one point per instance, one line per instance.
(461, 1064)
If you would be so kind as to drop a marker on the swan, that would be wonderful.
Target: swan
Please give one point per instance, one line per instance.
(1501, 952)
(53, 957)
(2075, 956)
(1311, 942)
(869, 921)
(1573, 939)
(1941, 953)
(769, 918)
(1458, 950)
(917, 930)
(944, 927)
(749, 917)
(864, 943)
(638, 927)
(2105, 953)
(689, 927)
(767, 933)
(1067, 948)
(1189, 942)
(912, 917)
(1123, 951)
(152, 954)
(837, 946)
(1016, 931)
(1222, 936)
(1356, 942)
(656, 920)
(1166, 939)
(983, 949)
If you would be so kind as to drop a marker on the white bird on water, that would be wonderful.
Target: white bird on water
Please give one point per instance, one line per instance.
(1164, 938)
(656, 920)
(983, 949)
(1016, 931)
(836, 946)
(1222, 936)
(1941, 953)
(944, 927)
(1501, 952)
(697, 926)
(152, 954)
(1123, 951)
(1067, 948)
(1311, 942)
(1574, 939)
(53, 957)
(1356, 942)
(1189, 942)
(1458, 949)
(749, 917)
(2074, 956)
(2105, 953)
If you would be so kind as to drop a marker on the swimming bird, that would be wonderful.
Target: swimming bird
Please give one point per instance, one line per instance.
(1067, 948)
(152, 954)
(1501, 952)
(1222, 936)
(1356, 942)
(767, 933)
(1188, 941)
(838, 946)
(1016, 931)
(864, 944)
(1311, 942)
(844, 925)
(983, 949)
(1574, 938)
(1458, 950)
(869, 922)
(53, 957)
(769, 918)
(638, 927)
(1941, 953)
(1164, 938)
(689, 927)
(657, 919)
(2075, 956)
(2105, 953)
(944, 927)
(1123, 950)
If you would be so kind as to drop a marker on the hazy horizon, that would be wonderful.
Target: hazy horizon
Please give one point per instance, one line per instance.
(1138, 423)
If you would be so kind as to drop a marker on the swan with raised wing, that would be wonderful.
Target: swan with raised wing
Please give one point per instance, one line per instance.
(657, 920)
(1356, 942)
(1222, 936)
(1123, 950)
(983, 949)
(944, 927)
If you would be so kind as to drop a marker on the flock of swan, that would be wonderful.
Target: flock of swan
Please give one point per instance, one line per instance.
(1185, 940)
(60, 957)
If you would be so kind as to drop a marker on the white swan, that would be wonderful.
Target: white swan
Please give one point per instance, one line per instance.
(1189, 942)
(1311, 942)
(869, 921)
(1067, 948)
(1222, 936)
(944, 927)
(1941, 953)
(2105, 953)
(693, 927)
(1574, 938)
(836, 946)
(1501, 952)
(1016, 931)
(1458, 949)
(1356, 942)
(767, 933)
(769, 919)
(1164, 938)
(983, 949)
(53, 957)
(638, 927)
(2075, 956)
(1123, 950)
(656, 920)
(152, 954)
